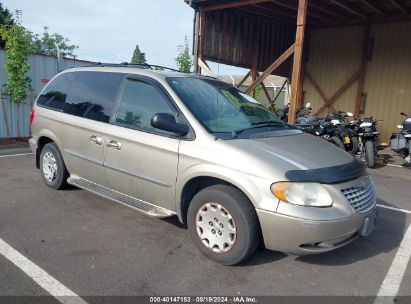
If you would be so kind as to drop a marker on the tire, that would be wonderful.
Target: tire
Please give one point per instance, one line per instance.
(244, 226)
(336, 141)
(354, 149)
(55, 173)
(369, 154)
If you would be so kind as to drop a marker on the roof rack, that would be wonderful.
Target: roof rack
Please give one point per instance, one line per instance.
(135, 65)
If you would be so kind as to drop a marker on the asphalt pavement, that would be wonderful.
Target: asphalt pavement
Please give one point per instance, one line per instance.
(95, 247)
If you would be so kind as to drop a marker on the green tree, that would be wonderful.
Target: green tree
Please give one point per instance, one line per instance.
(6, 20)
(18, 47)
(183, 60)
(138, 56)
(53, 44)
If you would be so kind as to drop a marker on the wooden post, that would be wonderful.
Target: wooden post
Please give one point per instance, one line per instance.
(253, 78)
(201, 32)
(298, 54)
(196, 41)
(256, 49)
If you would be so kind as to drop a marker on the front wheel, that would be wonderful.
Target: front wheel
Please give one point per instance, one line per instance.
(370, 153)
(223, 224)
(338, 142)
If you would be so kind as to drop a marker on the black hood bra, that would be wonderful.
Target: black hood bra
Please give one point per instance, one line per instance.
(329, 175)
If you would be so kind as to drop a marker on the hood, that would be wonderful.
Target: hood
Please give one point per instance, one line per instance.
(305, 156)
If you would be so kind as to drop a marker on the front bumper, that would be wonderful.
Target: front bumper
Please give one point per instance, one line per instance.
(301, 236)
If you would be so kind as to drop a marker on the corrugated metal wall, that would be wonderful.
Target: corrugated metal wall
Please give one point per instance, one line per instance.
(41, 67)
(388, 79)
(335, 54)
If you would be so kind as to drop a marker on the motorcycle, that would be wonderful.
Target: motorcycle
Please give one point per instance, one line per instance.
(303, 121)
(282, 113)
(401, 142)
(342, 134)
(368, 139)
(302, 116)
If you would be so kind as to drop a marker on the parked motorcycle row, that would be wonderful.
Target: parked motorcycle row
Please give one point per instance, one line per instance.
(356, 136)
(401, 142)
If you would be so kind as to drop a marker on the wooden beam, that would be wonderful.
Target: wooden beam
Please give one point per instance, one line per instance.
(279, 92)
(294, 6)
(360, 21)
(400, 6)
(244, 79)
(279, 11)
(375, 7)
(316, 86)
(267, 95)
(272, 67)
(350, 81)
(205, 69)
(262, 12)
(323, 9)
(232, 4)
(349, 8)
(298, 55)
(318, 89)
(345, 86)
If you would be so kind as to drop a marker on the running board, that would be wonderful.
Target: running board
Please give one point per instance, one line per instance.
(139, 205)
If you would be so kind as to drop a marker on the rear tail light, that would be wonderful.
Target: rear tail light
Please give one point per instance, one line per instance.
(31, 116)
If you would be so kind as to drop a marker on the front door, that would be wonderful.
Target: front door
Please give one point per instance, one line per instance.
(141, 161)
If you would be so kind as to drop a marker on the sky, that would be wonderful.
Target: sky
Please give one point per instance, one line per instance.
(108, 31)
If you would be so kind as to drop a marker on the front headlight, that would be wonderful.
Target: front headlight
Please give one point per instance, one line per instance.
(303, 194)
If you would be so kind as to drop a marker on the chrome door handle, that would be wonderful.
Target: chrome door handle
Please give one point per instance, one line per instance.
(113, 144)
(95, 139)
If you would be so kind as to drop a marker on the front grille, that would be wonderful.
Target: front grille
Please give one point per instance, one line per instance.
(361, 197)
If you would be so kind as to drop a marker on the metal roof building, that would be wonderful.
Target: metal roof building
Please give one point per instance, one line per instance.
(350, 55)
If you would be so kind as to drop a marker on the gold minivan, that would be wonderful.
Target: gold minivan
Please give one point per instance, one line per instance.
(167, 143)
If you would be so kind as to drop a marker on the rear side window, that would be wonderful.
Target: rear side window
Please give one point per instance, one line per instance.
(92, 95)
(55, 94)
(139, 103)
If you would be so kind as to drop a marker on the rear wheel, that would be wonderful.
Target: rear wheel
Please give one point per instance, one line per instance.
(223, 224)
(52, 167)
(354, 141)
(370, 153)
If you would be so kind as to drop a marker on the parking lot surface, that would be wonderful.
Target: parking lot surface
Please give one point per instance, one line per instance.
(96, 247)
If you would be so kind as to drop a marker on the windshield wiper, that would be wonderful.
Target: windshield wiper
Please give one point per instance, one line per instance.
(267, 123)
(255, 125)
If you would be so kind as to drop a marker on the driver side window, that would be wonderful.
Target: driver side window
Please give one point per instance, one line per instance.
(139, 103)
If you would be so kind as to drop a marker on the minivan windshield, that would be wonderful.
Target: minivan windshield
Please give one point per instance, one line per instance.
(221, 107)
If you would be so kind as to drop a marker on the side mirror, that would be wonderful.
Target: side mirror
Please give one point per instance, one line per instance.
(167, 122)
(403, 114)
